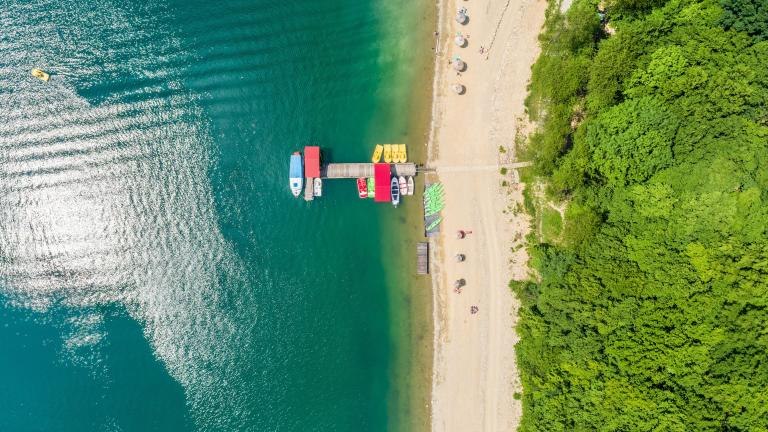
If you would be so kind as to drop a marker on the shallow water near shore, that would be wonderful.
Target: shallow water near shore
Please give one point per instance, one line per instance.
(155, 272)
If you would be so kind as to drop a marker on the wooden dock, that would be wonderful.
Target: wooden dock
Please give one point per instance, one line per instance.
(422, 258)
(356, 170)
(309, 189)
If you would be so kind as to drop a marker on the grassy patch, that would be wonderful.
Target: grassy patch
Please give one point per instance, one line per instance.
(551, 225)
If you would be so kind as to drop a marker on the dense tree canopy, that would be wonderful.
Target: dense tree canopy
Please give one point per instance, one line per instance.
(651, 312)
(750, 16)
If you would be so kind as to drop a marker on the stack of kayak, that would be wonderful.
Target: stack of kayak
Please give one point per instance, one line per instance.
(434, 202)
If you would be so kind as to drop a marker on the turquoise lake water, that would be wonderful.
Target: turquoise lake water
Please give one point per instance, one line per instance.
(155, 272)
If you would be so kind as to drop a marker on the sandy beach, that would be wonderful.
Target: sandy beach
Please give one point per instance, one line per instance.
(472, 139)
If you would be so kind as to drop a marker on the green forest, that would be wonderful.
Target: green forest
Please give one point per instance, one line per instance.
(647, 309)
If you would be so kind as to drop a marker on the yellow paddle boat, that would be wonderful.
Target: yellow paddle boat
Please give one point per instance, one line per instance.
(377, 153)
(403, 154)
(388, 153)
(39, 74)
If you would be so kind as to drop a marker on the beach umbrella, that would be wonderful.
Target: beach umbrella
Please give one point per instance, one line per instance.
(458, 64)
(458, 88)
(459, 40)
(460, 257)
(459, 283)
(461, 17)
(460, 234)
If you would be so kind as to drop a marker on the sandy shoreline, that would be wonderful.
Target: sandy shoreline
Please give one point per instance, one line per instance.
(472, 137)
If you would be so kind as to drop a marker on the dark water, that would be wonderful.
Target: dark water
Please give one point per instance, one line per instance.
(155, 272)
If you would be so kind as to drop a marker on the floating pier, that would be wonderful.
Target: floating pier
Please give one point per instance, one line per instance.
(356, 170)
(422, 258)
(376, 176)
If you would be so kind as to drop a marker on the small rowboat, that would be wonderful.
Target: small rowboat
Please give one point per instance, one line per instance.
(371, 187)
(394, 189)
(39, 74)
(318, 187)
(388, 153)
(403, 186)
(362, 187)
(410, 186)
(377, 153)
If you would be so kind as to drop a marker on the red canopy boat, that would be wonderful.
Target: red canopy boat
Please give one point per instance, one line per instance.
(362, 187)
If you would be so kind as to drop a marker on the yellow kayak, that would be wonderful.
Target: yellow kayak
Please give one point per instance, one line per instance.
(403, 154)
(377, 153)
(388, 153)
(37, 73)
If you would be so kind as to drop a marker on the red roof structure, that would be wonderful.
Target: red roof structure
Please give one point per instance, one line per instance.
(381, 175)
(311, 161)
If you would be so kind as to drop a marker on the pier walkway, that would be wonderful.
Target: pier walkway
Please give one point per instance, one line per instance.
(422, 258)
(356, 170)
(468, 168)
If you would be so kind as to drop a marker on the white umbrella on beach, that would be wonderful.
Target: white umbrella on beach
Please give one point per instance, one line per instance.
(458, 64)
(461, 18)
(458, 88)
(459, 40)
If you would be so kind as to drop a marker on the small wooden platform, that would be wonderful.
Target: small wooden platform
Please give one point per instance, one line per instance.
(422, 258)
(309, 189)
(355, 170)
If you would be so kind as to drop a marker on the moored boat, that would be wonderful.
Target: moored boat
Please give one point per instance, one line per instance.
(371, 187)
(394, 189)
(318, 187)
(403, 186)
(411, 186)
(295, 174)
(403, 153)
(388, 153)
(377, 153)
(39, 74)
(362, 187)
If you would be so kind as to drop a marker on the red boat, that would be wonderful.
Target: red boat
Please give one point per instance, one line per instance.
(362, 187)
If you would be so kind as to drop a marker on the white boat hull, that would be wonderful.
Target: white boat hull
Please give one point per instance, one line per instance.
(296, 184)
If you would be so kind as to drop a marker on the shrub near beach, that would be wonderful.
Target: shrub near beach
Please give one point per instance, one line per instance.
(650, 311)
